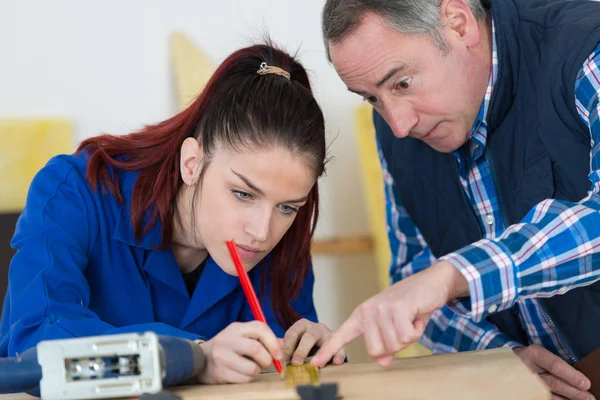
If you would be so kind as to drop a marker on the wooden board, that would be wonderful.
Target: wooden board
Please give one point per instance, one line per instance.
(342, 245)
(490, 375)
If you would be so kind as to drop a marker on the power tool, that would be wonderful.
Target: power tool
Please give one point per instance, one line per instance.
(97, 367)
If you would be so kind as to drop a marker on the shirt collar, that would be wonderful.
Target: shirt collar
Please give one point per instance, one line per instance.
(124, 230)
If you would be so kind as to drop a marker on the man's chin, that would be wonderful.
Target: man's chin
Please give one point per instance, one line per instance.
(443, 146)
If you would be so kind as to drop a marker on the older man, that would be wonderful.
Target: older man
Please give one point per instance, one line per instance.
(486, 116)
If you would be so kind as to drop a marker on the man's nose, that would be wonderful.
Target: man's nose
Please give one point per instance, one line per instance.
(401, 118)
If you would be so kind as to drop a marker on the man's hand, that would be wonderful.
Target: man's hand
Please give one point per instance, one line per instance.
(564, 381)
(301, 337)
(397, 317)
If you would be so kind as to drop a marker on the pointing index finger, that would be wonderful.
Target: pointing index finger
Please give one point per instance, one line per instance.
(350, 330)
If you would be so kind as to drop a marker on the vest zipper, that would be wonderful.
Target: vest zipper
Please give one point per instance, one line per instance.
(559, 334)
(555, 328)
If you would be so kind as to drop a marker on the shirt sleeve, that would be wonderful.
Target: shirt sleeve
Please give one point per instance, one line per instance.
(555, 247)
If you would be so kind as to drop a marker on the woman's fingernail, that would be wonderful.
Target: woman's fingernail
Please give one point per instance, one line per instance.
(338, 360)
(297, 361)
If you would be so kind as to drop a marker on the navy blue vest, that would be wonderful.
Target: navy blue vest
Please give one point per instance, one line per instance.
(538, 148)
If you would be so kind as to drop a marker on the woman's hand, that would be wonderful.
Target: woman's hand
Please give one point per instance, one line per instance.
(302, 337)
(239, 352)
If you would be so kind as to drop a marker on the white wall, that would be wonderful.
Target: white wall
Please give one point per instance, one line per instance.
(105, 65)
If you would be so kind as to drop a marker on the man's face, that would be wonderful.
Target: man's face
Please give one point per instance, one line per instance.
(420, 90)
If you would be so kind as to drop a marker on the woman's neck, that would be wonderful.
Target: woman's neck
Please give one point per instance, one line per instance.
(188, 249)
(188, 258)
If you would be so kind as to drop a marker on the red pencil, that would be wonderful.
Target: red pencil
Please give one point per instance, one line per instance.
(249, 292)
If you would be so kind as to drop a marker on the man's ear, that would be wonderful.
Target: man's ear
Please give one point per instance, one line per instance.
(459, 23)
(190, 162)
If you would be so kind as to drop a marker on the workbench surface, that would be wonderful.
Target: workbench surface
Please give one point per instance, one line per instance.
(481, 375)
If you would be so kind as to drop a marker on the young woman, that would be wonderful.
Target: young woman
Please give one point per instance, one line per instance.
(128, 234)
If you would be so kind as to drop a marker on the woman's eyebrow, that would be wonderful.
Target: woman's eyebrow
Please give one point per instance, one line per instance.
(301, 200)
(260, 192)
(248, 183)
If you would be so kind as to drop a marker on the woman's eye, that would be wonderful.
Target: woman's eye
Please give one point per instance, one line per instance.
(404, 84)
(287, 209)
(242, 195)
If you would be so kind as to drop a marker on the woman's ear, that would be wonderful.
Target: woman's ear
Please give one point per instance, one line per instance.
(190, 162)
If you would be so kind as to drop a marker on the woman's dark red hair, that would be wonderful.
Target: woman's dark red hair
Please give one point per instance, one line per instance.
(237, 108)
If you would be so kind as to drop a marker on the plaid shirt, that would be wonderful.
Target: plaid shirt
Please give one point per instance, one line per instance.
(549, 252)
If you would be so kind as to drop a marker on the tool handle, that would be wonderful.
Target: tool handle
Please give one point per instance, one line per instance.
(20, 373)
(183, 359)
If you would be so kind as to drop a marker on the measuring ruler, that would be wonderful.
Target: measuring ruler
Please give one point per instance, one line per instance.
(304, 374)
(305, 378)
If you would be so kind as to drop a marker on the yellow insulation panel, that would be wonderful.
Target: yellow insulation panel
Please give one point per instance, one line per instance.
(25, 147)
(192, 69)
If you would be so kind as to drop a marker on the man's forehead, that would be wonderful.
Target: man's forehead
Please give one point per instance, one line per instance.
(373, 65)
(374, 40)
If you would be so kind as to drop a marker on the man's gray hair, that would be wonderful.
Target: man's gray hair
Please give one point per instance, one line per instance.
(342, 17)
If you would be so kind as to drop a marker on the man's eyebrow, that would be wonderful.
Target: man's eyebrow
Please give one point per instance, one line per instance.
(248, 183)
(383, 80)
(390, 73)
(358, 92)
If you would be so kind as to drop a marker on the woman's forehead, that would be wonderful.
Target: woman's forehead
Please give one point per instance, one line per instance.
(272, 170)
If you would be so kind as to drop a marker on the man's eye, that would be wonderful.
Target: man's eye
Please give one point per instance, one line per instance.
(404, 84)
(370, 99)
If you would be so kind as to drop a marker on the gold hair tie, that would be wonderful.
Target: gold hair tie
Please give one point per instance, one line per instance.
(268, 69)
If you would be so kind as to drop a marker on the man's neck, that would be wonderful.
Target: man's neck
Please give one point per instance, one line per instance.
(487, 45)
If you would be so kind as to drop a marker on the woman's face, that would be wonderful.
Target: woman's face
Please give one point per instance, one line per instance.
(250, 196)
